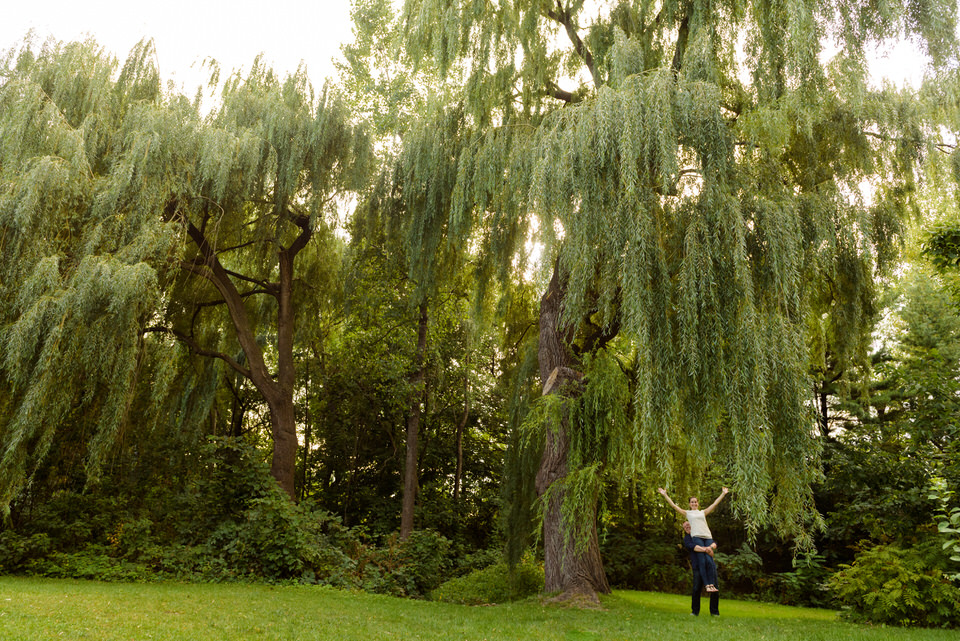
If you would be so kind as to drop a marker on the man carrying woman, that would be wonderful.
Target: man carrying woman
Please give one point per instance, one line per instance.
(702, 539)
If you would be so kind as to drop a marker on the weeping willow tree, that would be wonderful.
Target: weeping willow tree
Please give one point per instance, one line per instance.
(714, 195)
(130, 219)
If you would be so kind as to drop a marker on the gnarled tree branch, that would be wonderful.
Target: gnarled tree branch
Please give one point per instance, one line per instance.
(197, 349)
(563, 16)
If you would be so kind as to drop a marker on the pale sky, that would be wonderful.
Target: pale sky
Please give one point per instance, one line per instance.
(185, 32)
(233, 32)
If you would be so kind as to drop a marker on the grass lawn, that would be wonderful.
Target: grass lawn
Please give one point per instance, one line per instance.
(36, 609)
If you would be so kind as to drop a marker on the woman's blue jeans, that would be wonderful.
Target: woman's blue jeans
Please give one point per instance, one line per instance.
(705, 564)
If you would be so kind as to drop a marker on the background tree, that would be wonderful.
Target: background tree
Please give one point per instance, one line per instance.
(902, 433)
(691, 200)
(129, 217)
(387, 88)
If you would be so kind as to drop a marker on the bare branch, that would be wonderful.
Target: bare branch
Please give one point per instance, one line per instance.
(561, 94)
(240, 246)
(197, 349)
(564, 17)
(266, 286)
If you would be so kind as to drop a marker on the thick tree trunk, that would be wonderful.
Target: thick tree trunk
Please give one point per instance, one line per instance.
(283, 418)
(410, 472)
(276, 391)
(283, 466)
(569, 572)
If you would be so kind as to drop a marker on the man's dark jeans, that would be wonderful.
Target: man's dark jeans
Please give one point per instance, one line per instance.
(695, 597)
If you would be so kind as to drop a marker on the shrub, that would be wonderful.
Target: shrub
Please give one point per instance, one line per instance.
(92, 563)
(17, 551)
(805, 585)
(948, 522)
(887, 584)
(495, 584)
(229, 522)
(410, 567)
(425, 561)
(740, 570)
(650, 564)
(278, 540)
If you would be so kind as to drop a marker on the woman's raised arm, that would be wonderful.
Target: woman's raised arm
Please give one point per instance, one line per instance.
(713, 505)
(672, 504)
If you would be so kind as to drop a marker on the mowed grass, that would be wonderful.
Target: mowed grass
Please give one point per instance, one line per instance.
(54, 609)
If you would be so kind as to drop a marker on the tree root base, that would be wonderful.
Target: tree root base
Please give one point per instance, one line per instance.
(573, 599)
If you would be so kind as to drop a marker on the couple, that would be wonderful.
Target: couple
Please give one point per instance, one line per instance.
(699, 543)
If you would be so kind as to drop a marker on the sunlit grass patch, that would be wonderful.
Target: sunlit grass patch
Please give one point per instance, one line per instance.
(39, 609)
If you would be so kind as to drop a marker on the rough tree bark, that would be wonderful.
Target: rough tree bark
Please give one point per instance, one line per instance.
(410, 472)
(570, 572)
(277, 391)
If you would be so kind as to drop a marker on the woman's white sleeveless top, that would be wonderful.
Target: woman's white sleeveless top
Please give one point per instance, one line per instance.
(698, 524)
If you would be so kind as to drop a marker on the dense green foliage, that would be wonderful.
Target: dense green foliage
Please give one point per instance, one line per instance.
(187, 292)
(707, 206)
(498, 583)
(886, 584)
(948, 524)
(231, 523)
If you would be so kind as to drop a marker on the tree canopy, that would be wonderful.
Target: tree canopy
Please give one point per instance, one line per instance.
(706, 198)
(695, 172)
(130, 216)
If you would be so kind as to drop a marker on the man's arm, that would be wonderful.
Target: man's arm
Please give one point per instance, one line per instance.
(688, 543)
(672, 504)
(713, 505)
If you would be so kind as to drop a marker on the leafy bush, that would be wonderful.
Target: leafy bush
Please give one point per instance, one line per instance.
(651, 564)
(410, 567)
(230, 522)
(740, 570)
(805, 585)
(17, 551)
(424, 561)
(948, 521)
(92, 563)
(887, 584)
(498, 583)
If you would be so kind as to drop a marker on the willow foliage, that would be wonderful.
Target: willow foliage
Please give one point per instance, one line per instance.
(106, 184)
(701, 180)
